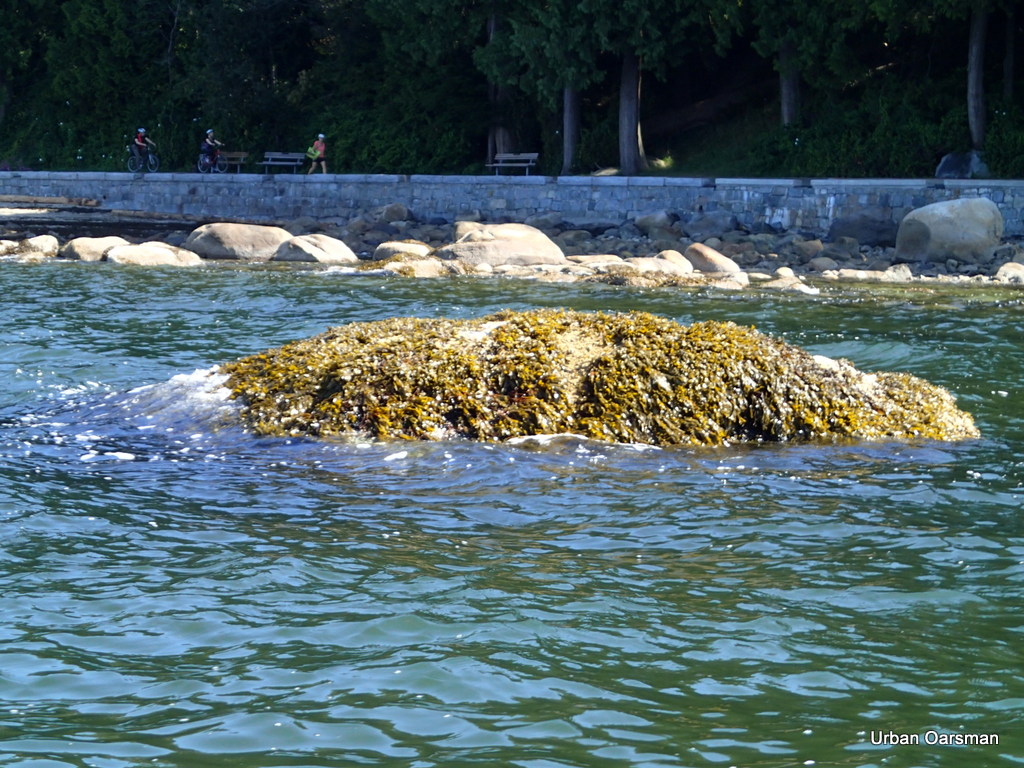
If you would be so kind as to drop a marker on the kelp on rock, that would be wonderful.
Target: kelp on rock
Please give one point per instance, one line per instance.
(634, 378)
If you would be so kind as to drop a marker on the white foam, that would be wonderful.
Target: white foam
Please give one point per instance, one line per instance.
(197, 399)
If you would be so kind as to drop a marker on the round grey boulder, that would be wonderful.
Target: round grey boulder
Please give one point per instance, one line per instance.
(319, 249)
(498, 244)
(241, 242)
(969, 229)
(90, 248)
(152, 254)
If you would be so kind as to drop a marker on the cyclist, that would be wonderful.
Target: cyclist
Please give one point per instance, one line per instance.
(140, 147)
(209, 145)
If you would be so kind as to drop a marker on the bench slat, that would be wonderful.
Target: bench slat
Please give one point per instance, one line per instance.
(290, 159)
(514, 160)
(237, 159)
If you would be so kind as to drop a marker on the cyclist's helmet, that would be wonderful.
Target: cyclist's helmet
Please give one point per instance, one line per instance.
(142, 130)
(209, 131)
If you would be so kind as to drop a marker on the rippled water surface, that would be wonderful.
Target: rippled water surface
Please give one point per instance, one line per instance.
(175, 592)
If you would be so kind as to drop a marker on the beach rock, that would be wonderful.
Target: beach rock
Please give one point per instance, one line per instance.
(392, 248)
(865, 228)
(806, 250)
(822, 264)
(664, 266)
(705, 259)
(90, 248)
(392, 213)
(494, 244)
(304, 225)
(242, 242)
(671, 254)
(790, 284)
(423, 267)
(152, 254)
(39, 247)
(654, 222)
(897, 273)
(572, 237)
(966, 228)
(726, 281)
(1010, 272)
(843, 248)
(633, 378)
(597, 259)
(709, 224)
(549, 220)
(593, 225)
(320, 249)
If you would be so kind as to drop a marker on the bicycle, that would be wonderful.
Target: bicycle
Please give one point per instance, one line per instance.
(211, 162)
(135, 161)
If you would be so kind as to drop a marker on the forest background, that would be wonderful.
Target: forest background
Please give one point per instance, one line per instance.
(874, 88)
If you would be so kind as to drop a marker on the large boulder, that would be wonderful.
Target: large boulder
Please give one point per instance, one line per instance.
(90, 248)
(968, 228)
(634, 378)
(153, 254)
(497, 244)
(39, 247)
(320, 249)
(242, 242)
(707, 259)
(1010, 272)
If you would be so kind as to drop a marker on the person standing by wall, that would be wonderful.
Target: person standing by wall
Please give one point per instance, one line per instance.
(318, 154)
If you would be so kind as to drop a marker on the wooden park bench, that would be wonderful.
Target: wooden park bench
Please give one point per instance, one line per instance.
(514, 160)
(237, 159)
(293, 160)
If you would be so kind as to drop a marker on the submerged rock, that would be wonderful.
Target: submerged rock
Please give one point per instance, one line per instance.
(634, 378)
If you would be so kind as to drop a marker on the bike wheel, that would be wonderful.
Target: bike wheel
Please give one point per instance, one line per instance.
(134, 163)
(153, 163)
(202, 164)
(221, 166)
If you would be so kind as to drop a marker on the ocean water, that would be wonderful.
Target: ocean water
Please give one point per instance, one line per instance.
(175, 592)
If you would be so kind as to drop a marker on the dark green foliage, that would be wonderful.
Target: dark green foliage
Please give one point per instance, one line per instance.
(409, 86)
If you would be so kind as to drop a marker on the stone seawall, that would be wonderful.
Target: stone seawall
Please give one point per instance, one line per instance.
(808, 205)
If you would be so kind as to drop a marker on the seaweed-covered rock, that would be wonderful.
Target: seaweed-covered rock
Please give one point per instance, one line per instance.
(630, 378)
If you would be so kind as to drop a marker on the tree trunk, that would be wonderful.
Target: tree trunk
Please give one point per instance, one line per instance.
(1009, 55)
(499, 138)
(789, 84)
(631, 145)
(975, 76)
(570, 127)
